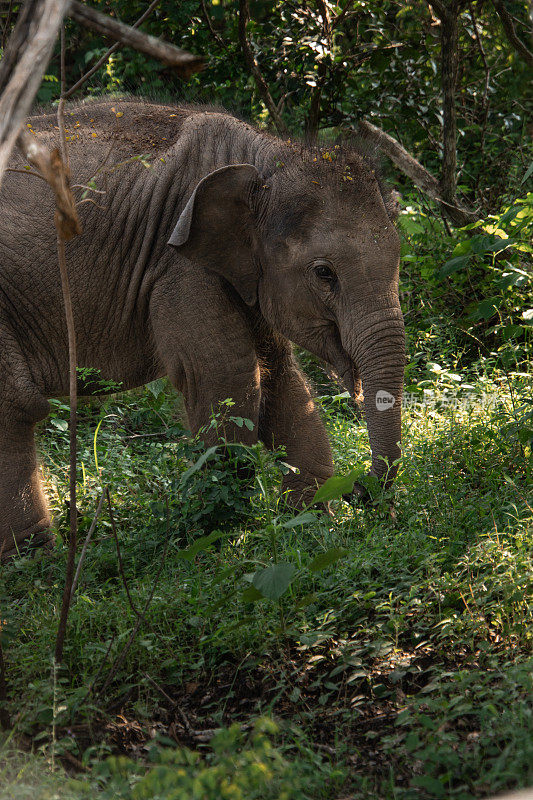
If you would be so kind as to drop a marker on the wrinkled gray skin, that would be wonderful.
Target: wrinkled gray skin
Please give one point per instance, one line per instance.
(259, 228)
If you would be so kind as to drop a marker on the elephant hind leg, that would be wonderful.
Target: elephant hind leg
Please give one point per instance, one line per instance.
(24, 516)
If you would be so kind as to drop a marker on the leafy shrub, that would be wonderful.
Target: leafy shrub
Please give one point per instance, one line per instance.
(238, 768)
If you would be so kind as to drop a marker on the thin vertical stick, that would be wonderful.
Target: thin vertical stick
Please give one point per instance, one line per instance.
(61, 631)
(61, 104)
(5, 722)
(86, 545)
(73, 388)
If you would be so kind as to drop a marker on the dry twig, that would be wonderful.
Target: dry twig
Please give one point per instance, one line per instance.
(69, 577)
(218, 39)
(86, 545)
(262, 86)
(50, 166)
(102, 60)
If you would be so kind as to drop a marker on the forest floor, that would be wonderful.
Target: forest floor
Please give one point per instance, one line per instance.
(321, 657)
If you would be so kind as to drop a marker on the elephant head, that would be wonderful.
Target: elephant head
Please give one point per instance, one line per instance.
(313, 244)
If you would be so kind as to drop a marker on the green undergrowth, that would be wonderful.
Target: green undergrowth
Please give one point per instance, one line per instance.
(403, 643)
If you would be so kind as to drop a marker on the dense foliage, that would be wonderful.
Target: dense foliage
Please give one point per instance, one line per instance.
(394, 655)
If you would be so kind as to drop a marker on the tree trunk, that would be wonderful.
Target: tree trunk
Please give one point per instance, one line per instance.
(449, 60)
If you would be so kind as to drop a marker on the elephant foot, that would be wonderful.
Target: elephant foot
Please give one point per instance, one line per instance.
(27, 543)
(299, 494)
(360, 494)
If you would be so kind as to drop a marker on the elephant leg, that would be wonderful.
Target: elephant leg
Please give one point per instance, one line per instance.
(209, 357)
(24, 517)
(289, 418)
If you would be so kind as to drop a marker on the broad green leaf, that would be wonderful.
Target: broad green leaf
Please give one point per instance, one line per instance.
(302, 519)
(335, 487)
(326, 559)
(487, 308)
(529, 171)
(433, 786)
(454, 265)
(197, 465)
(462, 248)
(273, 581)
(200, 544)
(251, 595)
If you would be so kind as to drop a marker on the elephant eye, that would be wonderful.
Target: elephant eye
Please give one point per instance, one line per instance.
(325, 273)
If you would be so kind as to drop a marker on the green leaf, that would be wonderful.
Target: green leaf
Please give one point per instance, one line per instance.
(200, 544)
(302, 519)
(273, 581)
(529, 171)
(487, 308)
(462, 248)
(326, 559)
(335, 487)
(431, 785)
(454, 265)
(197, 465)
(251, 595)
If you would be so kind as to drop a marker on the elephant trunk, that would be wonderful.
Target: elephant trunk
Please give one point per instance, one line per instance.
(375, 343)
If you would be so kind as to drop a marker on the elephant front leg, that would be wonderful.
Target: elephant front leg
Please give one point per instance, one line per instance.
(209, 356)
(290, 419)
(24, 517)
(226, 408)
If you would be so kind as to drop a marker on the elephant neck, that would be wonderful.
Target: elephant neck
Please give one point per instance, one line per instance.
(146, 198)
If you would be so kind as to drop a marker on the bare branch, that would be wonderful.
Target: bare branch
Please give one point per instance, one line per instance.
(218, 39)
(119, 554)
(108, 53)
(61, 104)
(185, 62)
(449, 38)
(415, 171)
(73, 392)
(262, 86)
(342, 14)
(7, 25)
(86, 545)
(510, 32)
(21, 69)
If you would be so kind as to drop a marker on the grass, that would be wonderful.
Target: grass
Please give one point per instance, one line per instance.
(398, 665)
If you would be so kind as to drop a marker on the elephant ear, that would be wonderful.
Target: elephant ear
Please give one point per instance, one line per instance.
(217, 227)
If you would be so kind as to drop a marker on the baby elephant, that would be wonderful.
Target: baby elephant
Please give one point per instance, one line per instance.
(208, 248)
